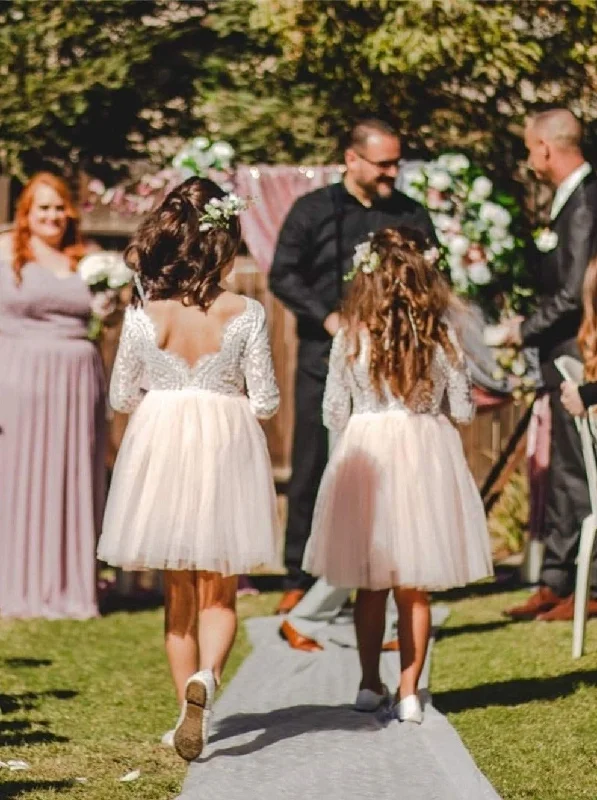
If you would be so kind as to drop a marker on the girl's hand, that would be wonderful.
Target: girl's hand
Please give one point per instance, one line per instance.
(571, 399)
(106, 306)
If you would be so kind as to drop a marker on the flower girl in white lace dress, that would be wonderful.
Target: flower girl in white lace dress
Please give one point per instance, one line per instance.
(192, 491)
(397, 507)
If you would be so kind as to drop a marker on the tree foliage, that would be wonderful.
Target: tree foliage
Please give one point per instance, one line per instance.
(83, 78)
(89, 80)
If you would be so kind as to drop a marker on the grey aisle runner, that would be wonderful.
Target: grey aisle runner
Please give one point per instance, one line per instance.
(285, 729)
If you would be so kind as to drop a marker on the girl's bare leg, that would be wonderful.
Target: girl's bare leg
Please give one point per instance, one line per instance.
(181, 627)
(370, 621)
(414, 624)
(216, 599)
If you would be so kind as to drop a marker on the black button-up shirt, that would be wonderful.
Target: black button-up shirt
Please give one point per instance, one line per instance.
(304, 273)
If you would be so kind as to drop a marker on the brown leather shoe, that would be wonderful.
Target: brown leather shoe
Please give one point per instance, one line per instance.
(296, 640)
(564, 611)
(289, 600)
(391, 646)
(544, 599)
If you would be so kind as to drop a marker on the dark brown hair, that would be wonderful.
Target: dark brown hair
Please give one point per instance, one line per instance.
(173, 257)
(402, 304)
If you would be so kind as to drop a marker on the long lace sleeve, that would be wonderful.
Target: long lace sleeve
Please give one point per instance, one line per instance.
(458, 387)
(336, 400)
(264, 395)
(127, 374)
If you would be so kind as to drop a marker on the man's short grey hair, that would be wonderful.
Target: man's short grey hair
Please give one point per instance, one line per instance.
(558, 126)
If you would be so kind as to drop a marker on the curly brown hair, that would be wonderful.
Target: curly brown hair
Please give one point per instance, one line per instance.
(587, 335)
(71, 245)
(173, 257)
(402, 304)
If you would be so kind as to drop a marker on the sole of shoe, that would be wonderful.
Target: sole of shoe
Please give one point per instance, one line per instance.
(188, 738)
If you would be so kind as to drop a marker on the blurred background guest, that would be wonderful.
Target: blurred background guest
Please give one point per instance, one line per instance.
(52, 412)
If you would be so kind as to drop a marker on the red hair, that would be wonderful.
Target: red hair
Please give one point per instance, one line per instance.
(587, 336)
(71, 244)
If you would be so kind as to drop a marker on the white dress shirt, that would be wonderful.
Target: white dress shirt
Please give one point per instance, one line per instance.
(568, 186)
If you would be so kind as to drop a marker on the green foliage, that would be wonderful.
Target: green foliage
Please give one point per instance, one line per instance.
(82, 79)
(85, 81)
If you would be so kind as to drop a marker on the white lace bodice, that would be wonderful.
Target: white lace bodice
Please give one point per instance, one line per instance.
(242, 365)
(349, 390)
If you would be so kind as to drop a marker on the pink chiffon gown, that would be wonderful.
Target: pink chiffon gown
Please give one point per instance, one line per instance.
(52, 435)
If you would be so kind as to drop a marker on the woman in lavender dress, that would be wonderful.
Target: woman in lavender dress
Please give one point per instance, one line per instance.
(51, 413)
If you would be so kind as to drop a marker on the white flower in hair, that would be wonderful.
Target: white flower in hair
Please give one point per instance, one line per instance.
(364, 260)
(219, 210)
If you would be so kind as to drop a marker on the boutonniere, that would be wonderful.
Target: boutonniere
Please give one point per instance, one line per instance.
(545, 239)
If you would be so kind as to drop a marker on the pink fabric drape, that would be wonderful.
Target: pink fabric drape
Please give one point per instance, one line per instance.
(271, 191)
(538, 451)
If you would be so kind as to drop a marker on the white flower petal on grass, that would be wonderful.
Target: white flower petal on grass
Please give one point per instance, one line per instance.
(130, 776)
(17, 765)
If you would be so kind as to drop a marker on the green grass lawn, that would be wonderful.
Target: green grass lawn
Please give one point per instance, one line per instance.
(91, 699)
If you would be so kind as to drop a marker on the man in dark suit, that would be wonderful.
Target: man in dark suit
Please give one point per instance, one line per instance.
(553, 139)
(313, 253)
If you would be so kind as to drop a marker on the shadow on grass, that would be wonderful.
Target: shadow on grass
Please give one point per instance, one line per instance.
(513, 692)
(9, 703)
(9, 789)
(506, 580)
(27, 662)
(481, 627)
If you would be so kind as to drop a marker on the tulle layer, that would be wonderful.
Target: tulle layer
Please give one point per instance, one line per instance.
(398, 506)
(192, 488)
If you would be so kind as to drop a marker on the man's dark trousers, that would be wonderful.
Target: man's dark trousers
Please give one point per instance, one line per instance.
(309, 454)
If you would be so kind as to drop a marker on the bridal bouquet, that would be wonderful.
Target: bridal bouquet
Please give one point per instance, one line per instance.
(199, 157)
(480, 250)
(105, 273)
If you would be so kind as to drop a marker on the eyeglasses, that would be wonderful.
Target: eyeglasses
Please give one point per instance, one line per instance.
(383, 165)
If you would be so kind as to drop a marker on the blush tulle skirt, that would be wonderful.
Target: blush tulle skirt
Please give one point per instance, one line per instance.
(192, 488)
(398, 506)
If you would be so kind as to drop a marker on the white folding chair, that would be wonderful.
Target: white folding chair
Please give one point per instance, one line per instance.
(572, 370)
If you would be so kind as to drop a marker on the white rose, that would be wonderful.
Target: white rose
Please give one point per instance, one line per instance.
(439, 179)
(546, 240)
(119, 274)
(458, 275)
(200, 142)
(509, 243)
(481, 189)
(442, 222)
(489, 212)
(222, 151)
(498, 234)
(479, 273)
(93, 268)
(455, 163)
(496, 247)
(502, 217)
(458, 245)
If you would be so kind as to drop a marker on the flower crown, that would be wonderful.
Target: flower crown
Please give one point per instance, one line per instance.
(218, 211)
(365, 259)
